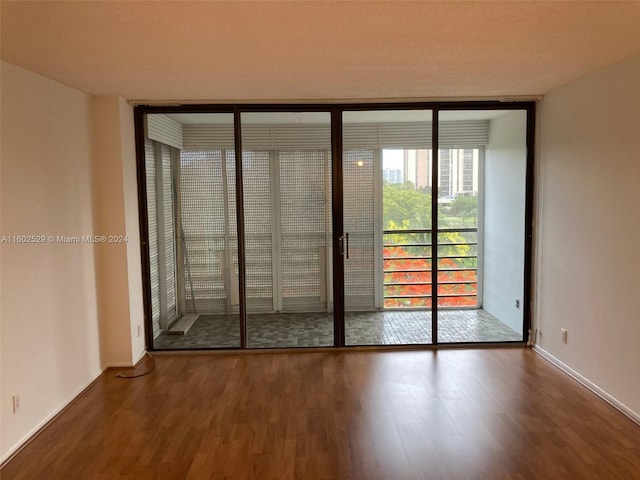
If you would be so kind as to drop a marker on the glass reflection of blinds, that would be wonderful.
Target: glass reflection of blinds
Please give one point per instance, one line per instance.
(359, 214)
(152, 219)
(303, 194)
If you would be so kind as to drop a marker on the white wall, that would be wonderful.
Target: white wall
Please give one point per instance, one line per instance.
(50, 339)
(588, 227)
(504, 213)
(116, 215)
(132, 228)
(68, 168)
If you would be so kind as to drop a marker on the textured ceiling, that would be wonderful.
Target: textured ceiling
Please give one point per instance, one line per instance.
(343, 50)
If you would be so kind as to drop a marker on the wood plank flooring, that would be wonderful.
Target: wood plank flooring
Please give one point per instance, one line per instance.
(447, 414)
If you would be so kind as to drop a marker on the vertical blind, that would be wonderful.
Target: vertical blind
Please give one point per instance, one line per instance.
(162, 244)
(152, 216)
(168, 217)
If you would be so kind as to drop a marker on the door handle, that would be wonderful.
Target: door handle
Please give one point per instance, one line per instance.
(344, 245)
(347, 238)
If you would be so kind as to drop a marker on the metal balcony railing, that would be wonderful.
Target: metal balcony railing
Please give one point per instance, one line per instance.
(407, 257)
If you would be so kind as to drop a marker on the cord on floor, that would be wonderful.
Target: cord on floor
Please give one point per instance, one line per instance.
(153, 367)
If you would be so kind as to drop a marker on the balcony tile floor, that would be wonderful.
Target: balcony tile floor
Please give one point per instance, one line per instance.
(284, 330)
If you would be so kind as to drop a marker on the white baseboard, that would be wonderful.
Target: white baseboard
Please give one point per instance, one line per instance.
(607, 397)
(117, 365)
(24, 441)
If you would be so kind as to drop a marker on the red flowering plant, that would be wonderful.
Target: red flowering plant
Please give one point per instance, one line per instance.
(408, 255)
(408, 280)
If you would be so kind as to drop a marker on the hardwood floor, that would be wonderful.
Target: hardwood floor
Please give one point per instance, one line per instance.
(447, 414)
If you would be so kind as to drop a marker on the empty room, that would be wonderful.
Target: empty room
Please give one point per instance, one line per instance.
(319, 240)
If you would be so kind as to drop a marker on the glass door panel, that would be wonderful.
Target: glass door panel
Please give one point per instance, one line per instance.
(193, 245)
(481, 209)
(286, 177)
(387, 227)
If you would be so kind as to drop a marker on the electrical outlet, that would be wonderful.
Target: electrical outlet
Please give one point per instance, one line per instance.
(15, 400)
(139, 329)
(563, 334)
(517, 303)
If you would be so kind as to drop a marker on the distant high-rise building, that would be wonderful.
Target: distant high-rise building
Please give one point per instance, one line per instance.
(393, 175)
(457, 170)
(469, 173)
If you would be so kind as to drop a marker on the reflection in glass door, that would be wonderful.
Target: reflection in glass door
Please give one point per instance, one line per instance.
(387, 225)
(286, 177)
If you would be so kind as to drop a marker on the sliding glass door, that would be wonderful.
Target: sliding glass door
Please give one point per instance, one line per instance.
(286, 178)
(481, 225)
(193, 239)
(387, 227)
(335, 225)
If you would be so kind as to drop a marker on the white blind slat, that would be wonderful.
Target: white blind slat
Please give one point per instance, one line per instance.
(463, 133)
(165, 130)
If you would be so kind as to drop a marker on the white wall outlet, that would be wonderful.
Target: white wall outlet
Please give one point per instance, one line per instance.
(139, 329)
(563, 334)
(517, 303)
(15, 401)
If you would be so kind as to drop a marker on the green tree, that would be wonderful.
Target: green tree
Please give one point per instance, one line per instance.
(408, 208)
(466, 208)
(405, 207)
